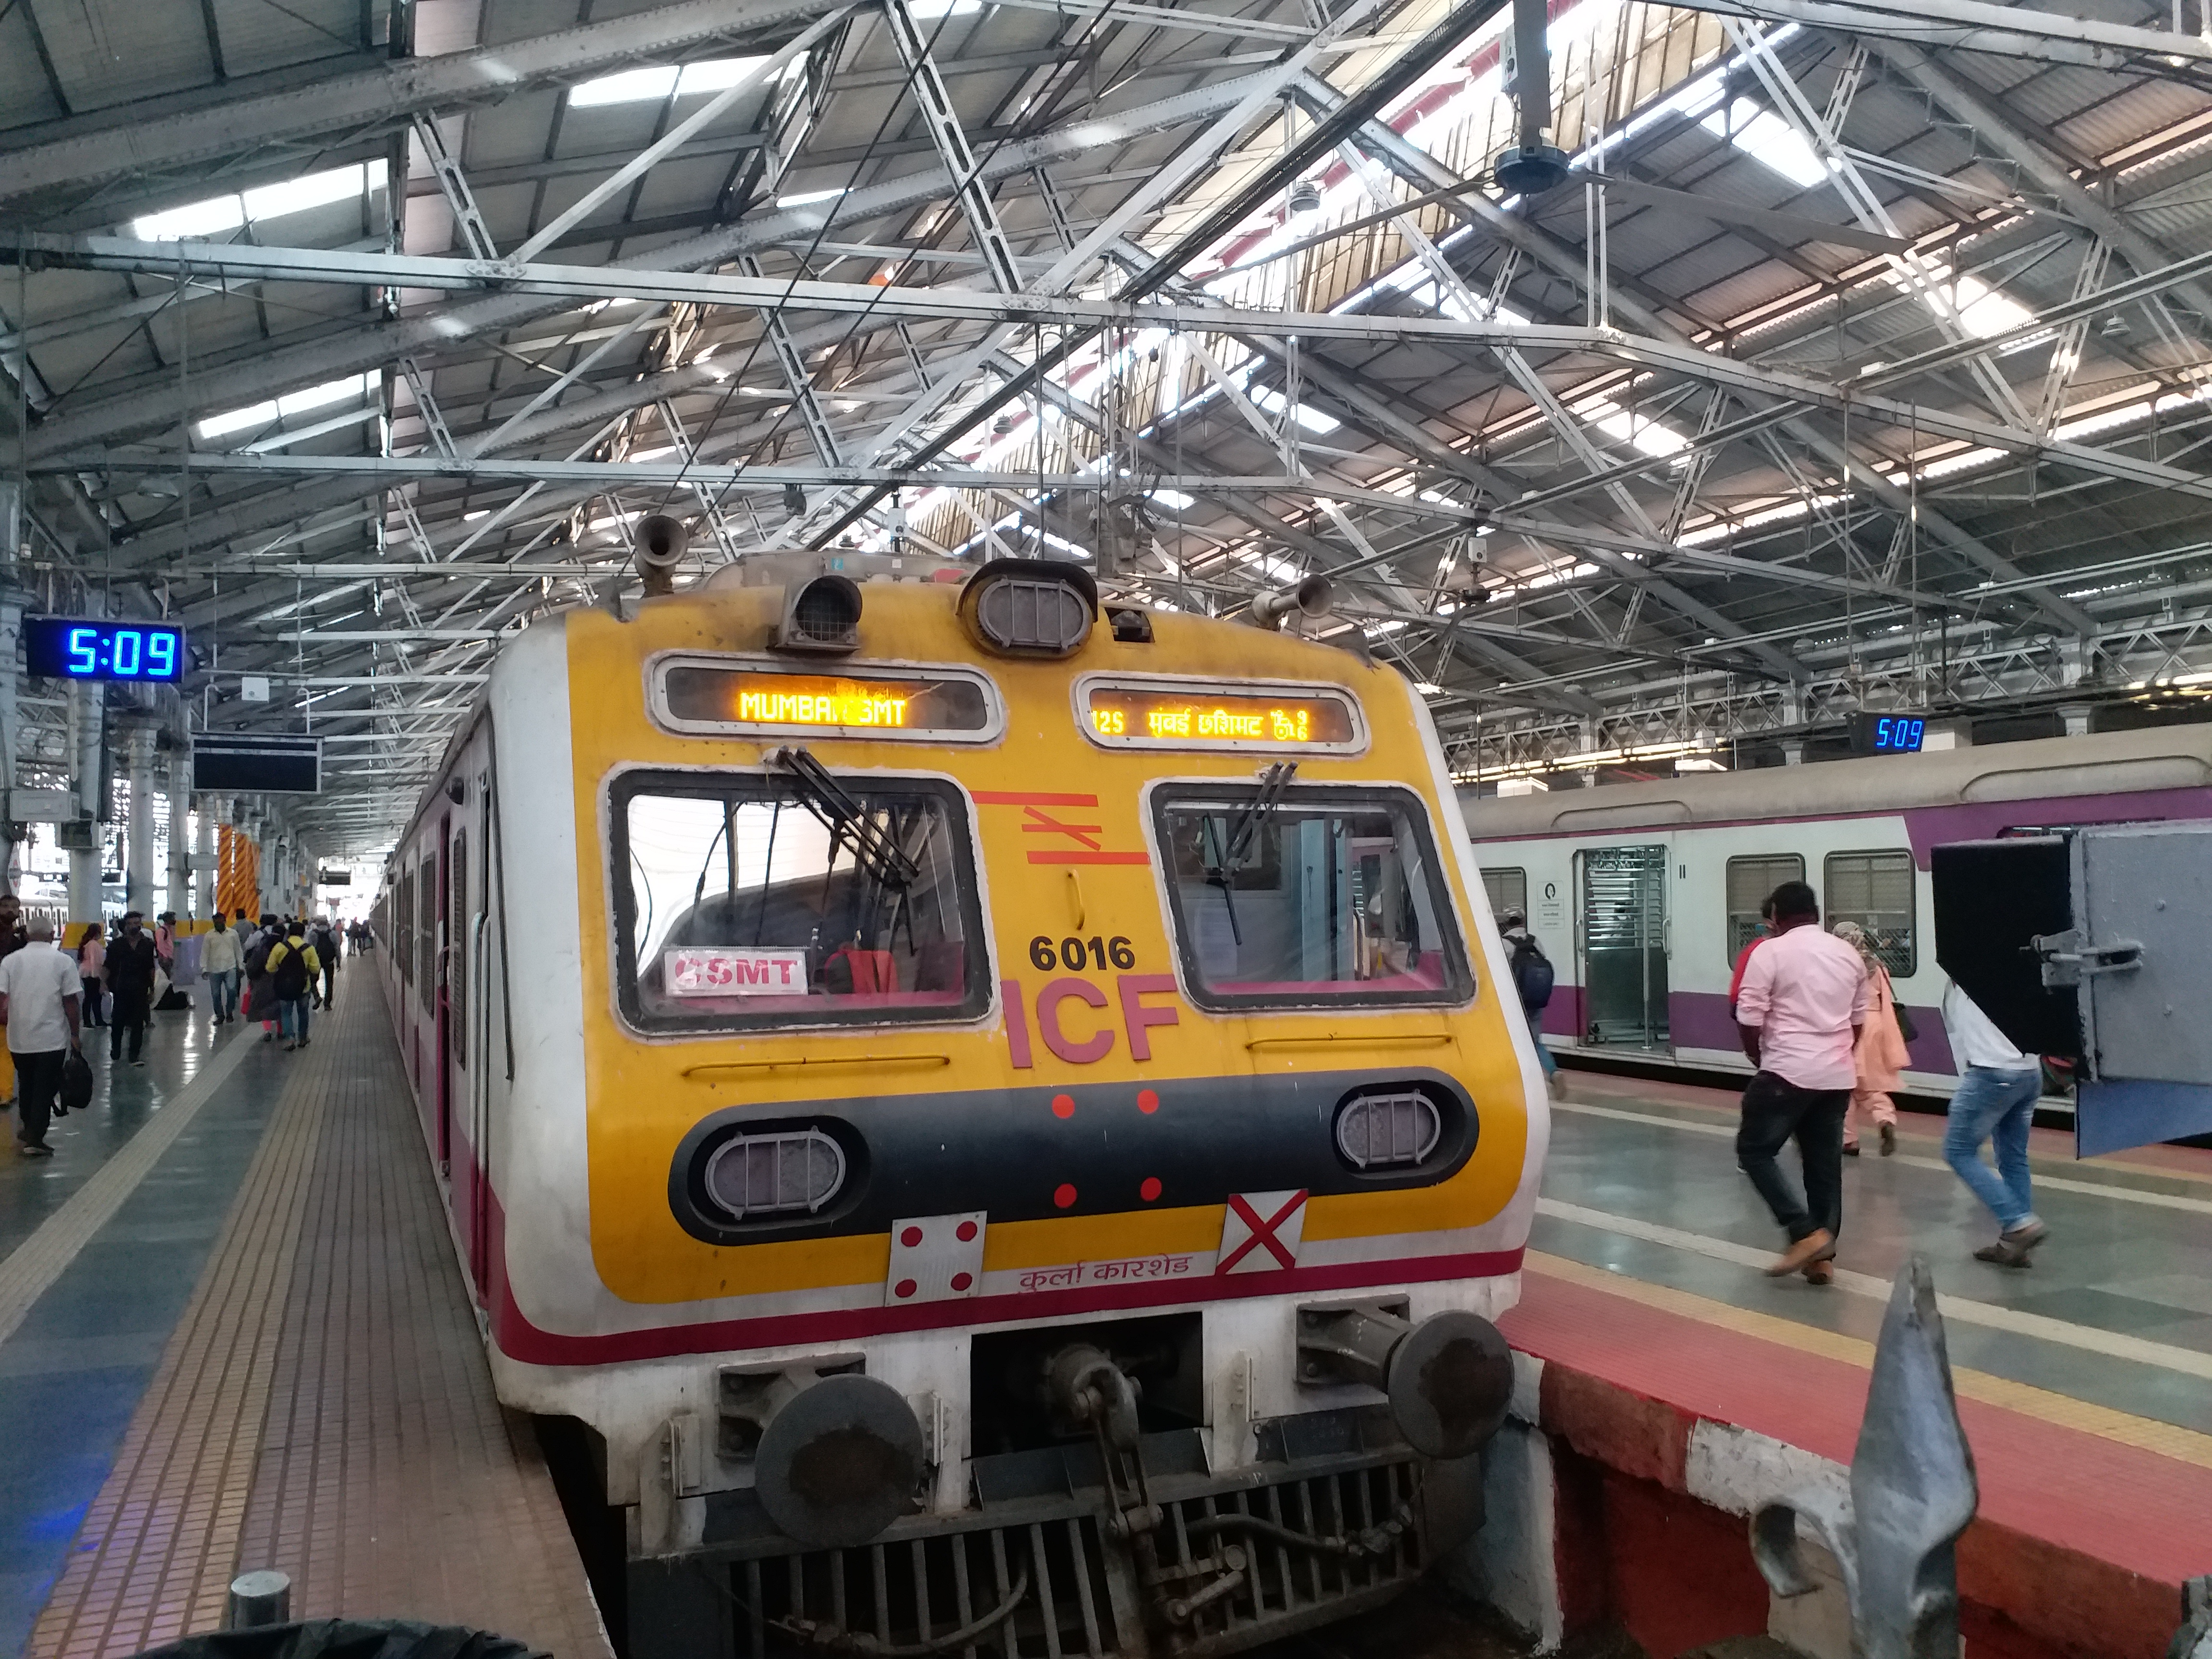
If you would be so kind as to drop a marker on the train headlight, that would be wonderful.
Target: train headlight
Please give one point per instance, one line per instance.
(1387, 1131)
(1030, 607)
(789, 1172)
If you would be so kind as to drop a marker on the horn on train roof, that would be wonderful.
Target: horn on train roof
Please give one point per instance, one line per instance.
(658, 545)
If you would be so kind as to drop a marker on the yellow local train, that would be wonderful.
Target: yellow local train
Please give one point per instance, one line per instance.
(996, 1115)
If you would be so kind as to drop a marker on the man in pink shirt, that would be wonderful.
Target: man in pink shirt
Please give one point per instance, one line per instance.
(1802, 1001)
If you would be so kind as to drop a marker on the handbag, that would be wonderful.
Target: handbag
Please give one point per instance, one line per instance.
(77, 1082)
(1906, 1027)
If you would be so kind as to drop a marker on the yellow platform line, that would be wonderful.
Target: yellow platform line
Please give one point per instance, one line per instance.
(2145, 1434)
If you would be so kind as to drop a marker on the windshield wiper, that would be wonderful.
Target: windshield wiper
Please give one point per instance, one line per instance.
(1220, 872)
(847, 820)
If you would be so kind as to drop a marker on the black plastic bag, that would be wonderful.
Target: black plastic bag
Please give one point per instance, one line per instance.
(347, 1639)
(76, 1081)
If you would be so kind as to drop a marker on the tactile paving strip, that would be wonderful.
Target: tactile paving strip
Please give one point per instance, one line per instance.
(325, 1406)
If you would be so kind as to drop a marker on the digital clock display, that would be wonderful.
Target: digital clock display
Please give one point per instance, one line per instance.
(1888, 734)
(1184, 717)
(81, 649)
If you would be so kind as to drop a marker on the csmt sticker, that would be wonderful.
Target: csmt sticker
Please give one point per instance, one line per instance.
(732, 970)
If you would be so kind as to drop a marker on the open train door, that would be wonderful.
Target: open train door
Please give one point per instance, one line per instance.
(2092, 943)
(1620, 935)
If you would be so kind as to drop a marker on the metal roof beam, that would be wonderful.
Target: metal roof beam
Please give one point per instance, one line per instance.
(2010, 31)
(322, 109)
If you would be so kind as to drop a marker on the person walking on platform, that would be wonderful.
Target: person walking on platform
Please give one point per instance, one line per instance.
(131, 966)
(92, 971)
(324, 938)
(220, 956)
(39, 989)
(1998, 1087)
(1799, 1012)
(1533, 978)
(1882, 1055)
(292, 967)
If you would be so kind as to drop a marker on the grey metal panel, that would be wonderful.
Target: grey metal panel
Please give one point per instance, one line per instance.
(2152, 885)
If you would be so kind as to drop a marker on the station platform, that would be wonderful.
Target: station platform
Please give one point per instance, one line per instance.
(1675, 1388)
(232, 1335)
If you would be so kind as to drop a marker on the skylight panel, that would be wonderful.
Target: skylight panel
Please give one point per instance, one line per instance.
(1618, 424)
(1312, 419)
(292, 403)
(657, 81)
(220, 213)
(1768, 139)
(805, 197)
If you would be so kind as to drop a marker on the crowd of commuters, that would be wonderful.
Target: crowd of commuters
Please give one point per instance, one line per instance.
(1827, 1040)
(273, 969)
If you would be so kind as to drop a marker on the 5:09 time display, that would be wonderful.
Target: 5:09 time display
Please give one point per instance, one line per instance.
(85, 648)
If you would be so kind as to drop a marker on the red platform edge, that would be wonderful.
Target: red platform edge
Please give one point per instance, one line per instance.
(2081, 1544)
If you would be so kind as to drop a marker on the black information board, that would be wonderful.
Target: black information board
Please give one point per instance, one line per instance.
(233, 763)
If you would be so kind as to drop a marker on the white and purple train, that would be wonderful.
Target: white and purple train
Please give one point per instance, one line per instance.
(1642, 893)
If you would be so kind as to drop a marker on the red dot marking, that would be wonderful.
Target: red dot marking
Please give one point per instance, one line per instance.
(1151, 1189)
(910, 1238)
(961, 1281)
(966, 1232)
(1064, 1195)
(905, 1288)
(1063, 1105)
(1148, 1101)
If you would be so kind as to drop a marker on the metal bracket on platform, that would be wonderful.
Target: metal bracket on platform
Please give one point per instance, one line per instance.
(1912, 1493)
(2068, 958)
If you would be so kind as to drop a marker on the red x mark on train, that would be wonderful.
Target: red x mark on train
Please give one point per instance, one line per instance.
(1086, 835)
(1278, 1235)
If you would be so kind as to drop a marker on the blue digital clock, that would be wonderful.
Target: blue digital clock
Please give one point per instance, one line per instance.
(83, 648)
(1888, 734)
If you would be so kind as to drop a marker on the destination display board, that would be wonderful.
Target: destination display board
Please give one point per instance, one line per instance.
(720, 698)
(1127, 714)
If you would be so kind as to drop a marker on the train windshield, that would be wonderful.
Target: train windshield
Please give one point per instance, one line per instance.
(1309, 895)
(745, 901)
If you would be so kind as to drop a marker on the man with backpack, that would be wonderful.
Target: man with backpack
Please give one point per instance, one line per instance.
(1532, 977)
(292, 967)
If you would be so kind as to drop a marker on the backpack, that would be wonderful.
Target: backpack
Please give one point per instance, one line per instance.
(1533, 974)
(256, 959)
(292, 973)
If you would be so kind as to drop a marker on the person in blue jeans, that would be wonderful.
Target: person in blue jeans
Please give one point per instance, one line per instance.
(1998, 1087)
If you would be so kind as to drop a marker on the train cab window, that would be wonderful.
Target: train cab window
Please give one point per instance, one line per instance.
(1506, 889)
(1750, 880)
(1877, 890)
(1328, 896)
(738, 906)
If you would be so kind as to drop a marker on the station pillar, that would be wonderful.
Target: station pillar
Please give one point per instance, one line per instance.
(213, 809)
(86, 713)
(138, 852)
(179, 901)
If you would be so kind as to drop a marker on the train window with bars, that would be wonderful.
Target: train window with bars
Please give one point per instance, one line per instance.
(426, 930)
(1750, 880)
(402, 936)
(1507, 889)
(1878, 891)
(1331, 895)
(457, 911)
(744, 902)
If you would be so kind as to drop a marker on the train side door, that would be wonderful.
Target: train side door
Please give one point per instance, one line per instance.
(1620, 932)
(440, 1001)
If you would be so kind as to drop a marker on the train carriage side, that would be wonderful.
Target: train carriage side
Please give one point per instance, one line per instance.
(1642, 893)
(947, 1029)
